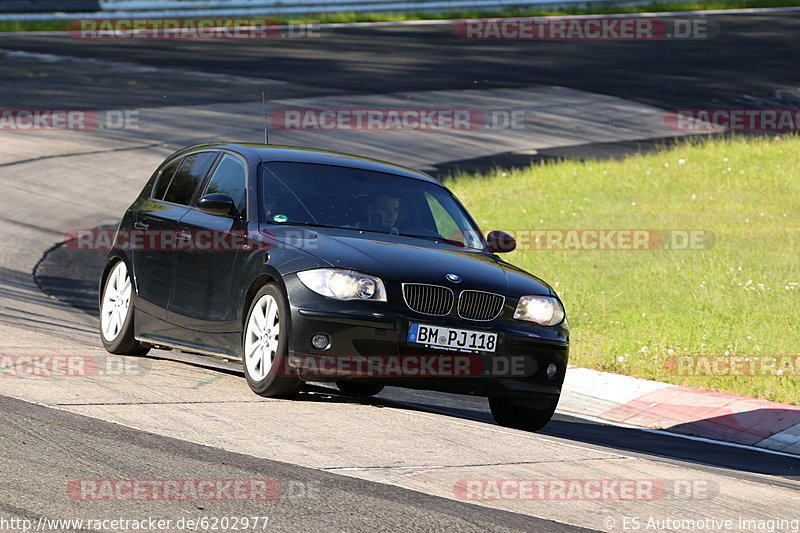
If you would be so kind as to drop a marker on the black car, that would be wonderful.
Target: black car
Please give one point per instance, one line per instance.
(309, 265)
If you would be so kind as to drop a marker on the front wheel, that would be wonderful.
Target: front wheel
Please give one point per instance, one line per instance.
(264, 345)
(529, 415)
(116, 314)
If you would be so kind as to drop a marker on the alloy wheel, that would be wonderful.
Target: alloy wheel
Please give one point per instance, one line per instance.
(261, 339)
(116, 302)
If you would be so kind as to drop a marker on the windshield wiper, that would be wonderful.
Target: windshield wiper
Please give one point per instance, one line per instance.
(433, 238)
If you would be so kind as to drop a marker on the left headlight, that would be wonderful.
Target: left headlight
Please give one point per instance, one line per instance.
(343, 284)
(543, 310)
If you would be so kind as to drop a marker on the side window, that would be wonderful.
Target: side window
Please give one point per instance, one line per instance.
(164, 179)
(192, 171)
(230, 177)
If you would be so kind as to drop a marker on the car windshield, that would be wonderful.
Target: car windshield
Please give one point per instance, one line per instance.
(344, 197)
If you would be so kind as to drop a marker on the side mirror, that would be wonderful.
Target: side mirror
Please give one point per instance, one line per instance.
(217, 204)
(501, 242)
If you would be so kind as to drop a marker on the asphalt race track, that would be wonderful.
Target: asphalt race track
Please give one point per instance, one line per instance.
(341, 463)
(751, 58)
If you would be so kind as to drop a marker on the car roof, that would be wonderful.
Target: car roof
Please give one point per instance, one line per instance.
(297, 154)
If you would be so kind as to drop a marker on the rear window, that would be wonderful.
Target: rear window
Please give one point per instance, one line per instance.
(191, 172)
(164, 179)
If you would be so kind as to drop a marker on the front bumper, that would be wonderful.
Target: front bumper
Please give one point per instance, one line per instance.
(369, 343)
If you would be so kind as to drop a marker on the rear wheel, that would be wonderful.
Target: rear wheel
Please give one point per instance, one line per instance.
(527, 414)
(116, 314)
(359, 389)
(265, 345)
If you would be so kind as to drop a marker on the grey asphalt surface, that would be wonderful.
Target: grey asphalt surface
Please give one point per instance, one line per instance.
(37, 441)
(44, 448)
(751, 62)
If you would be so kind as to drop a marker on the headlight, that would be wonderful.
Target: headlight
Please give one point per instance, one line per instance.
(543, 310)
(343, 284)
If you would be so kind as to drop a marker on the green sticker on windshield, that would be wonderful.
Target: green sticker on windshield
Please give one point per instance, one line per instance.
(280, 218)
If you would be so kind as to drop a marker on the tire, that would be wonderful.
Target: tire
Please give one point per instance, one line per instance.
(528, 415)
(265, 341)
(116, 313)
(359, 388)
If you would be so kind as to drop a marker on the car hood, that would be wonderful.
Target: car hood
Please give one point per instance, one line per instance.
(411, 260)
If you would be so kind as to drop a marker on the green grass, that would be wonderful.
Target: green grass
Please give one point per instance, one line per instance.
(522, 11)
(631, 310)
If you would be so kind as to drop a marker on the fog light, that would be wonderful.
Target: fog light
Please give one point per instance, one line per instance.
(552, 370)
(320, 342)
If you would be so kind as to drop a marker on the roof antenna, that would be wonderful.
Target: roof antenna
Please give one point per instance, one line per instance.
(264, 105)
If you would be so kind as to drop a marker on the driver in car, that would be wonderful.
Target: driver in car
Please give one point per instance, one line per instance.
(383, 211)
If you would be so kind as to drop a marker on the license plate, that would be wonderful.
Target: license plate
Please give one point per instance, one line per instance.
(455, 339)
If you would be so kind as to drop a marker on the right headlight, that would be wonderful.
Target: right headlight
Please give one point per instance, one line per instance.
(343, 284)
(543, 310)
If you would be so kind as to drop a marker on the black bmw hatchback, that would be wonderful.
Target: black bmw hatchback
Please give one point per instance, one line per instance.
(317, 266)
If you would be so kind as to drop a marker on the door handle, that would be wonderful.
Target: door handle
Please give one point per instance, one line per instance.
(184, 236)
(141, 225)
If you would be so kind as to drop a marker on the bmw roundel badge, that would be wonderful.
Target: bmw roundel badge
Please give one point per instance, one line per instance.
(455, 278)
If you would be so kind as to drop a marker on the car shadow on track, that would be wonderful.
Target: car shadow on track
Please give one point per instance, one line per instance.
(72, 276)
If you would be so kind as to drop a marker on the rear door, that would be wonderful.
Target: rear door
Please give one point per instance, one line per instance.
(207, 265)
(158, 218)
(152, 267)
